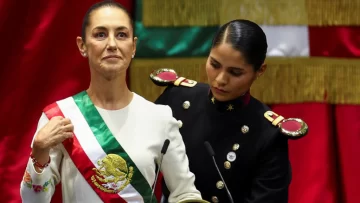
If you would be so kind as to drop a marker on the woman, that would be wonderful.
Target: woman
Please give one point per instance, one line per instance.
(250, 149)
(103, 143)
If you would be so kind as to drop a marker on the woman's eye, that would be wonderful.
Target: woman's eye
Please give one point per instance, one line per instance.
(122, 34)
(100, 35)
(236, 73)
(214, 65)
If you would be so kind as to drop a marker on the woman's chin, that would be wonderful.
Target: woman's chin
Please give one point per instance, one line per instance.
(113, 68)
(111, 72)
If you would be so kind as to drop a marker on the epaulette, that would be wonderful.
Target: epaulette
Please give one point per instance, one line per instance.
(293, 128)
(166, 77)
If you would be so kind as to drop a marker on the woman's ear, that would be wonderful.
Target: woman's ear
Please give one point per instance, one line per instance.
(261, 70)
(81, 46)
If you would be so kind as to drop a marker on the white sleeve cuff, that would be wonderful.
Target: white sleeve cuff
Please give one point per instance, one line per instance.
(35, 178)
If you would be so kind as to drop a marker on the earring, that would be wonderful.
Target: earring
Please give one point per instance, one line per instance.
(84, 54)
(132, 56)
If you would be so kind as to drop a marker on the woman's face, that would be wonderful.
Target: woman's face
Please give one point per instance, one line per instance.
(229, 75)
(109, 42)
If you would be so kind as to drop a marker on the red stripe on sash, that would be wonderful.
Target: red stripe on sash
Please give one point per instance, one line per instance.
(81, 160)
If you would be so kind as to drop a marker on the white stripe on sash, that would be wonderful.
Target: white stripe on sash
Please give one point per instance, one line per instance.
(90, 144)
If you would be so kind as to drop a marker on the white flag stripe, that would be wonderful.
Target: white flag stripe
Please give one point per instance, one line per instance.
(287, 41)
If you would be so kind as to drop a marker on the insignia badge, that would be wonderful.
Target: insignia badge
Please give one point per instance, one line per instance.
(231, 156)
(244, 129)
(112, 174)
(236, 147)
(186, 105)
(230, 107)
(293, 128)
(227, 164)
(165, 77)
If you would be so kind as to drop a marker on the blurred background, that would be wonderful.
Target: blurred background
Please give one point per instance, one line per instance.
(313, 73)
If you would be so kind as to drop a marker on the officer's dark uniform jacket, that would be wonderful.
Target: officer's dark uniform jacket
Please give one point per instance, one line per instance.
(251, 153)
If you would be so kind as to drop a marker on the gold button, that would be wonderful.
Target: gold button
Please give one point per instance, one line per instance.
(236, 146)
(227, 164)
(245, 129)
(186, 105)
(220, 185)
(214, 199)
(180, 123)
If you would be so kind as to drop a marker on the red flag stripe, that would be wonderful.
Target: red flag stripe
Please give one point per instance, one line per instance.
(335, 41)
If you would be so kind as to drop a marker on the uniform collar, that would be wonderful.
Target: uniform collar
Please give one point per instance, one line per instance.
(232, 105)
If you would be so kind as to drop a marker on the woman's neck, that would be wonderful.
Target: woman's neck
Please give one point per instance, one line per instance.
(110, 94)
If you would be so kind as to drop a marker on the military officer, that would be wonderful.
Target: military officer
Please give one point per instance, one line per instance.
(250, 142)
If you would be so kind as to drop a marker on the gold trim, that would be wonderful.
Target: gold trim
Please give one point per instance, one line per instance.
(295, 134)
(280, 12)
(188, 83)
(286, 80)
(154, 76)
(277, 120)
(268, 115)
(178, 81)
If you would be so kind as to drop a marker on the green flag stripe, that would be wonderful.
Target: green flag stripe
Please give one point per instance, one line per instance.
(160, 42)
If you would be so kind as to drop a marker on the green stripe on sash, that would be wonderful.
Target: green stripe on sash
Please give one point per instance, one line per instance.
(109, 143)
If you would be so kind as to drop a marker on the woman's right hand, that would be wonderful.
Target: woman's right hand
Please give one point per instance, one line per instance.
(53, 133)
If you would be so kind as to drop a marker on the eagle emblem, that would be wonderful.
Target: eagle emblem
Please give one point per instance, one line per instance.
(112, 174)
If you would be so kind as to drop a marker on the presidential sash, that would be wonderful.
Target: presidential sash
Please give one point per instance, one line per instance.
(97, 154)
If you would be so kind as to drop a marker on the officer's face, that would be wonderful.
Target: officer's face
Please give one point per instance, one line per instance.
(229, 75)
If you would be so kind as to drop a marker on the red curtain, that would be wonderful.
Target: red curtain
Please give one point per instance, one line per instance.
(313, 158)
(344, 42)
(40, 64)
(325, 163)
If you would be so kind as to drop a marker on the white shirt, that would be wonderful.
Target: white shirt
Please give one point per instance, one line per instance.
(141, 129)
